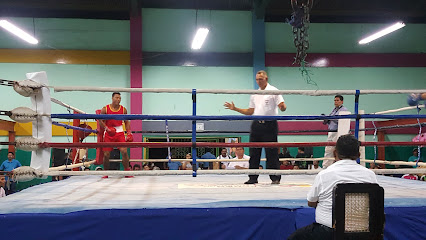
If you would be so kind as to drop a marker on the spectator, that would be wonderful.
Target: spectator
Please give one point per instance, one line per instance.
(172, 164)
(207, 155)
(301, 154)
(239, 152)
(344, 170)
(98, 169)
(224, 155)
(315, 165)
(284, 153)
(2, 186)
(286, 165)
(8, 165)
(147, 167)
(260, 167)
(136, 167)
(373, 166)
(415, 157)
(187, 165)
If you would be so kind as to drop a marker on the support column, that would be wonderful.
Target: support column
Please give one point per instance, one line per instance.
(136, 73)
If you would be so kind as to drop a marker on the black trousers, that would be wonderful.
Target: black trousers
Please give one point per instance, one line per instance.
(264, 131)
(315, 231)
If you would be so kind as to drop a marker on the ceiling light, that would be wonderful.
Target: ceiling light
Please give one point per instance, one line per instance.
(383, 32)
(17, 31)
(199, 38)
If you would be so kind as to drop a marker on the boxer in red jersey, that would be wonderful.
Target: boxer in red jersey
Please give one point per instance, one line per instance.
(114, 131)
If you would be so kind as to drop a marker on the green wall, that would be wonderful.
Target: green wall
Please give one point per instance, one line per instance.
(167, 30)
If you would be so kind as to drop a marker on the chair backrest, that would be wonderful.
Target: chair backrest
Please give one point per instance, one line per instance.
(358, 211)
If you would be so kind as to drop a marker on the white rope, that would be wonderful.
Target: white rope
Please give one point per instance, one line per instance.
(220, 160)
(405, 163)
(233, 91)
(399, 109)
(63, 167)
(220, 172)
(66, 105)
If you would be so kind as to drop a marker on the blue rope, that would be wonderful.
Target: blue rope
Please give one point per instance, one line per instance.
(74, 127)
(194, 133)
(357, 119)
(228, 117)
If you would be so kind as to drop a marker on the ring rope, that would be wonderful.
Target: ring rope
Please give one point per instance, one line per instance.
(67, 126)
(229, 117)
(233, 91)
(221, 172)
(216, 144)
(400, 109)
(54, 100)
(393, 162)
(63, 167)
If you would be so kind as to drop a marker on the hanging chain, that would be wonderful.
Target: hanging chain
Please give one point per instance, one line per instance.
(300, 26)
(6, 82)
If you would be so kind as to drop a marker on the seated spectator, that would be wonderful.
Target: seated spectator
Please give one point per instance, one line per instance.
(207, 155)
(239, 152)
(344, 170)
(296, 167)
(315, 165)
(286, 165)
(260, 167)
(98, 169)
(301, 154)
(172, 164)
(223, 155)
(2, 186)
(374, 166)
(136, 167)
(187, 164)
(284, 153)
(147, 167)
(415, 157)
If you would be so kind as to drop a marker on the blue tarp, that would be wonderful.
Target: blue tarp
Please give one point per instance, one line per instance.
(190, 223)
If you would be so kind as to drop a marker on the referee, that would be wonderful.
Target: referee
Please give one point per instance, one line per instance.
(261, 130)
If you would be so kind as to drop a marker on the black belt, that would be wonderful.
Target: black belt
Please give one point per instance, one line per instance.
(265, 121)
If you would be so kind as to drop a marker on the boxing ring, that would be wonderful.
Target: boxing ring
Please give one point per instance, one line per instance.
(173, 205)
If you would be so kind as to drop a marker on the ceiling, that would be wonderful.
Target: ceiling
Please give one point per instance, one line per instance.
(326, 11)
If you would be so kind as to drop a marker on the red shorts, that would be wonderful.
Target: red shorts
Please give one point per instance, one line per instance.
(118, 137)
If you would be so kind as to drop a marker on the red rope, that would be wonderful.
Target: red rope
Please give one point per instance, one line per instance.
(214, 144)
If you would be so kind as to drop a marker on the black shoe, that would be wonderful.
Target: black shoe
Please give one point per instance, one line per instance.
(276, 182)
(251, 182)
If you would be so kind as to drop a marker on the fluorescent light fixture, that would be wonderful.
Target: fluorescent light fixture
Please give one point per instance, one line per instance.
(17, 31)
(199, 38)
(382, 33)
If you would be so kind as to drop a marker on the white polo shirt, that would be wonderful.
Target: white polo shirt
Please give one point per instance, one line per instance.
(231, 165)
(266, 105)
(342, 171)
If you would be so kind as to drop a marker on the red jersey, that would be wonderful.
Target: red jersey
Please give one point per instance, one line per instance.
(111, 122)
